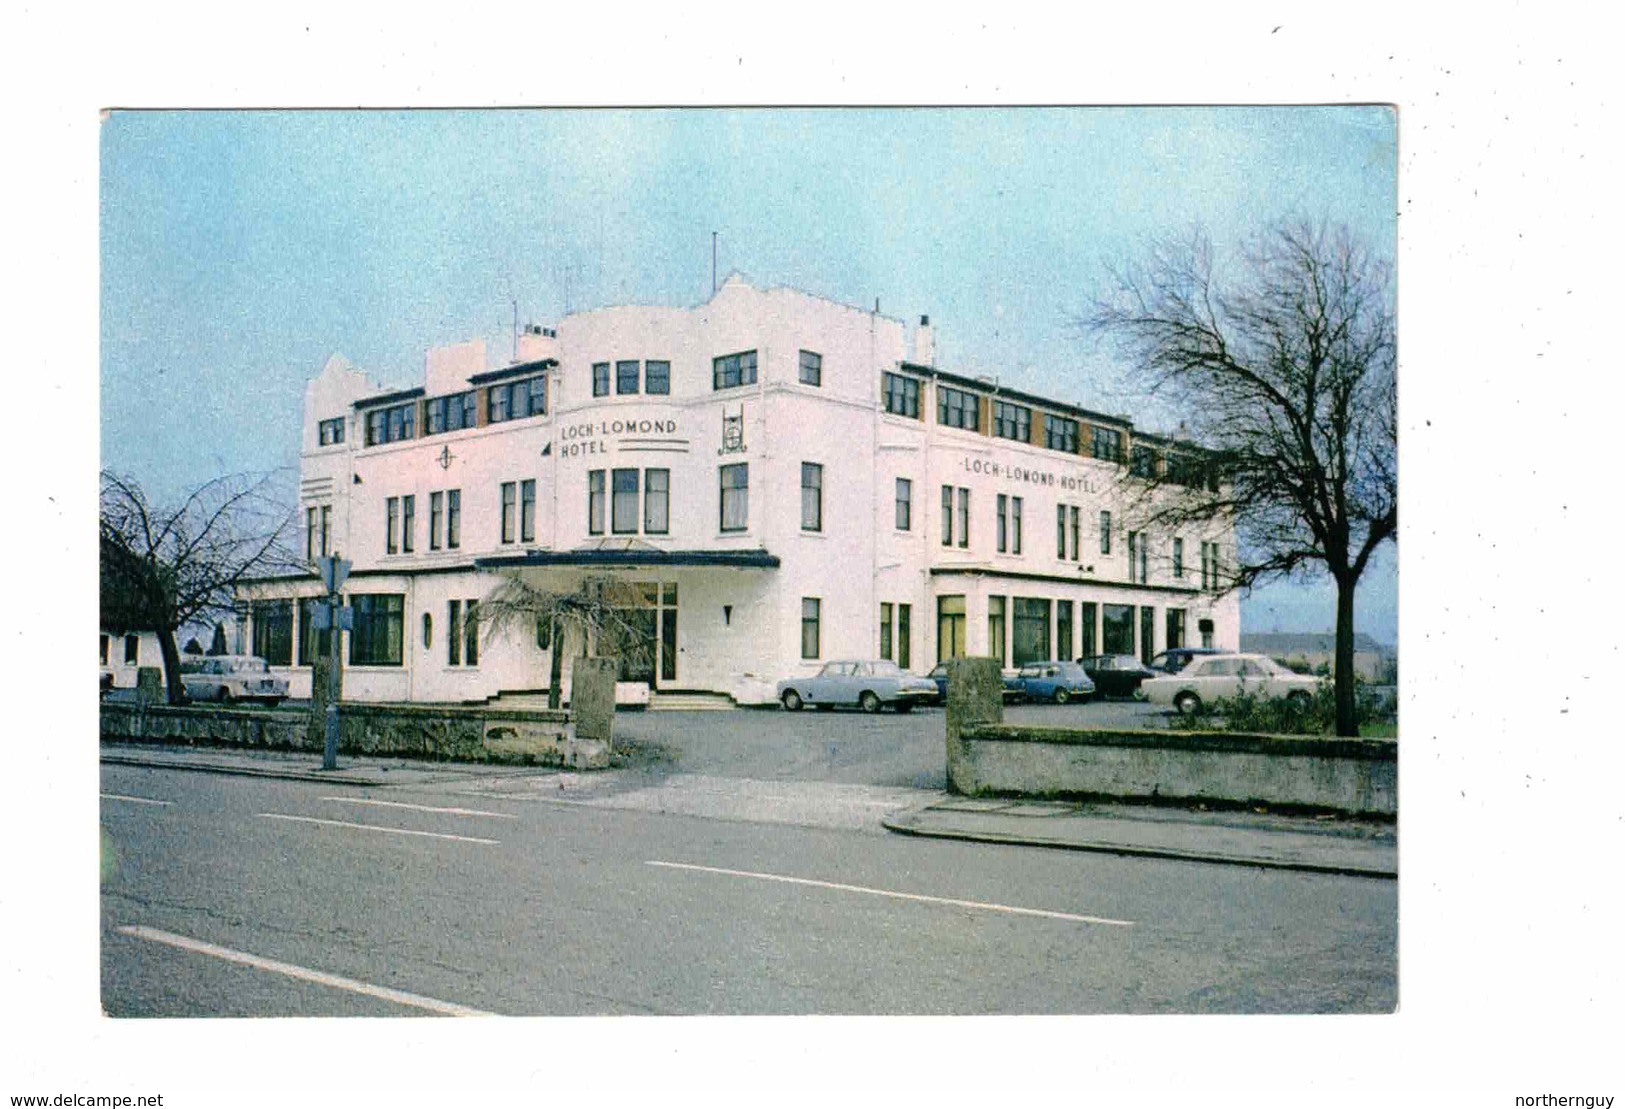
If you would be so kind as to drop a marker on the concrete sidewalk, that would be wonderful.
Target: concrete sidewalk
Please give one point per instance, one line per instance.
(306, 766)
(1330, 846)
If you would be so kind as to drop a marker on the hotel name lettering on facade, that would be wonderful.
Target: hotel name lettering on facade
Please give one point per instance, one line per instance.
(592, 437)
(1028, 475)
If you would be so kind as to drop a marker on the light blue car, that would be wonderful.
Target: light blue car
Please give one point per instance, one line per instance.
(1056, 681)
(862, 684)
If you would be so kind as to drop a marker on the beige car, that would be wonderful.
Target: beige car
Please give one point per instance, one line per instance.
(232, 678)
(1210, 678)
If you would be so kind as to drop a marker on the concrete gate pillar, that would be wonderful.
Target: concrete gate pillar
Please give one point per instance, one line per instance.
(592, 698)
(316, 724)
(975, 696)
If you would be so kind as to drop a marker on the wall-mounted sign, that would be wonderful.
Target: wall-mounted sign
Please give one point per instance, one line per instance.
(630, 434)
(1027, 475)
(733, 432)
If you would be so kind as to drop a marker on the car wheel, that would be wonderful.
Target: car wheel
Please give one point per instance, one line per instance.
(1187, 704)
(792, 701)
(868, 702)
(1061, 696)
(1299, 700)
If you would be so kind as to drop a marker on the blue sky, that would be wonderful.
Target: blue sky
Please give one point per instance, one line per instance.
(240, 249)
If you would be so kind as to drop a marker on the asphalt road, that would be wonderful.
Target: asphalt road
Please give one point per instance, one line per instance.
(254, 897)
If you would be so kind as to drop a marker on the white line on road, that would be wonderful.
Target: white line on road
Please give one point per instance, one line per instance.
(419, 808)
(304, 974)
(134, 800)
(375, 828)
(1050, 913)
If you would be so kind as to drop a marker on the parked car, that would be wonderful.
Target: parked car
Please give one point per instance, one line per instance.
(1209, 678)
(1056, 681)
(1014, 689)
(866, 684)
(1116, 675)
(232, 678)
(1175, 659)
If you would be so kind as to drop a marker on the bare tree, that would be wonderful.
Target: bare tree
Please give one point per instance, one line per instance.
(1284, 370)
(163, 568)
(592, 614)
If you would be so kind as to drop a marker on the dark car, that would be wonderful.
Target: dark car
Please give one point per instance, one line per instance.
(1175, 659)
(1116, 675)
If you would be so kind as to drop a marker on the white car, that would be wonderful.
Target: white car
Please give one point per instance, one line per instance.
(232, 678)
(1210, 678)
(865, 683)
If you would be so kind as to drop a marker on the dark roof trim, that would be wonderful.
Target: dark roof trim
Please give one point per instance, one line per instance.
(1020, 575)
(369, 572)
(389, 398)
(524, 369)
(978, 386)
(740, 559)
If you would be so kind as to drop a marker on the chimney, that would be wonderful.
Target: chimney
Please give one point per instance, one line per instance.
(537, 343)
(925, 347)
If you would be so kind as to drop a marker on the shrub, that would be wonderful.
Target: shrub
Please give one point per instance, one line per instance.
(1249, 712)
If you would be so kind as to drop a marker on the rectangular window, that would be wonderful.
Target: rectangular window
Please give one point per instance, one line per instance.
(812, 368)
(310, 534)
(388, 425)
(454, 633)
(1060, 531)
(409, 519)
(657, 378)
(1012, 421)
(1029, 639)
(536, 394)
(735, 513)
(600, 379)
(964, 517)
(392, 528)
(471, 632)
(313, 643)
(273, 631)
(595, 502)
(732, 370)
(947, 515)
(809, 627)
(1175, 620)
(995, 629)
(1133, 544)
(903, 652)
(512, 401)
(1105, 533)
(902, 395)
(1061, 434)
(1187, 471)
(1075, 516)
(1148, 621)
(436, 516)
(657, 501)
(626, 377)
(905, 504)
(812, 497)
(1086, 629)
(1179, 558)
(330, 432)
(327, 514)
(1145, 550)
(527, 511)
(885, 629)
(496, 405)
(1142, 462)
(1001, 528)
(1015, 525)
(1204, 565)
(1063, 630)
(957, 408)
(623, 514)
(1117, 629)
(454, 518)
(376, 639)
(950, 627)
(1107, 444)
(510, 509)
(132, 650)
(107, 642)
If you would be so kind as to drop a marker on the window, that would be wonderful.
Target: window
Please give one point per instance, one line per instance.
(273, 631)
(1075, 516)
(957, 408)
(514, 400)
(330, 432)
(657, 501)
(595, 502)
(735, 497)
(527, 511)
(1117, 629)
(809, 627)
(107, 643)
(376, 637)
(995, 629)
(392, 530)
(600, 379)
(964, 517)
(454, 518)
(1061, 434)
(885, 629)
(1063, 630)
(1105, 533)
(999, 514)
(903, 651)
(1175, 619)
(1008, 515)
(812, 368)
(902, 395)
(626, 377)
(1148, 620)
(1012, 421)
(733, 370)
(1029, 639)
(1086, 628)
(428, 631)
(1138, 556)
(1107, 444)
(311, 536)
(510, 510)
(436, 517)
(1133, 542)
(1179, 558)
(947, 515)
(657, 378)
(812, 497)
(314, 643)
(409, 519)
(623, 516)
(1060, 531)
(1210, 566)
(1187, 471)
(950, 627)
(389, 425)
(1015, 525)
(1142, 462)
(132, 650)
(450, 413)
(905, 503)
(496, 405)
(462, 633)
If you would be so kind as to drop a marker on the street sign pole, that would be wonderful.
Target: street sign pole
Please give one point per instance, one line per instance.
(334, 571)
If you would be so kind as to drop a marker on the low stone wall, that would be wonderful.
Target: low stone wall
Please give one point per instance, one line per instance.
(453, 732)
(1353, 776)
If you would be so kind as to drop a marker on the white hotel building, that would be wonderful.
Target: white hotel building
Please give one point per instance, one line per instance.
(772, 479)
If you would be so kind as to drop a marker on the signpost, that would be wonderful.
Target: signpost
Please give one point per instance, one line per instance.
(333, 616)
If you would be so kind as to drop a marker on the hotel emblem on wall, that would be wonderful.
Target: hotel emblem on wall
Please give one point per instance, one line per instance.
(733, 432)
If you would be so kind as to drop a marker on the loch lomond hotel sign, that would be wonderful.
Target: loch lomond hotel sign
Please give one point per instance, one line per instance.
(595, 436)
(1027, 475)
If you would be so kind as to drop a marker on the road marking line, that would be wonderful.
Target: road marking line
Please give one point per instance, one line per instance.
(375, 828)
(134, 800)
(1050, 913)
(304, 974)
(419, 808)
